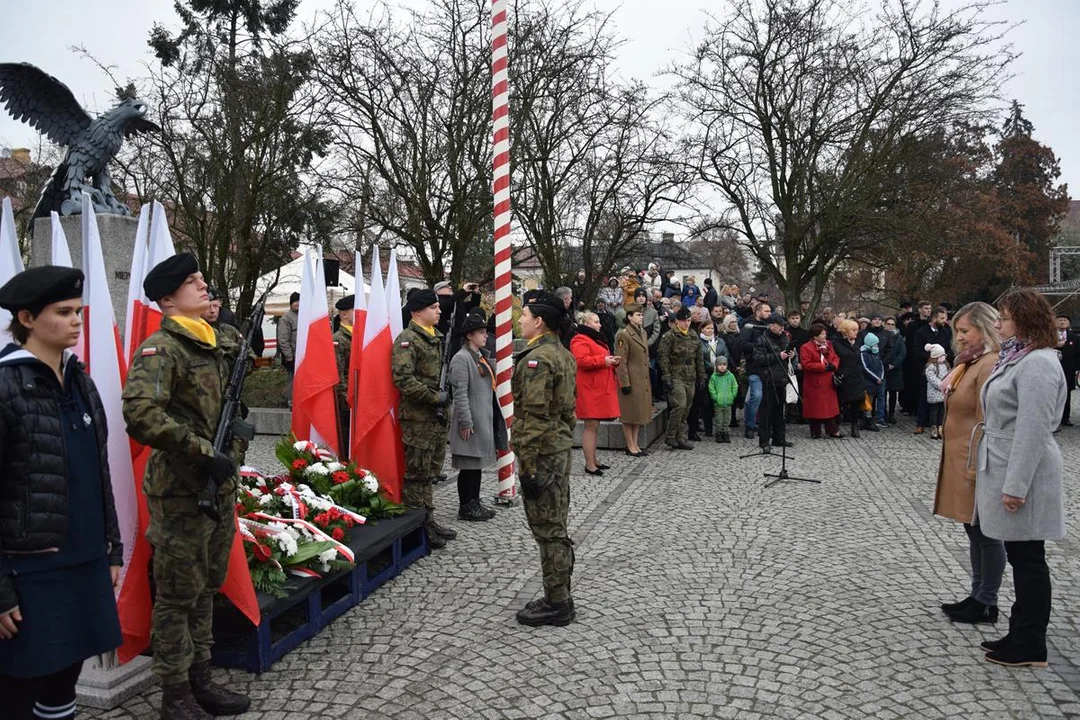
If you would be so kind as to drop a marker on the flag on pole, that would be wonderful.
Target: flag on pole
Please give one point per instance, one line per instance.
(376, 431)
(61, 255)
(314, 414)
(136, 299)
(107, 368)
(11, 263)
(393, 296)
(356, 351)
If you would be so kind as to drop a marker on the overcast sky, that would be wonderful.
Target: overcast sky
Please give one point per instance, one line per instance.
(656, 34)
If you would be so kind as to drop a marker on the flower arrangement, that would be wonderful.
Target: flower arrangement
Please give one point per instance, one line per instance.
(275, 550)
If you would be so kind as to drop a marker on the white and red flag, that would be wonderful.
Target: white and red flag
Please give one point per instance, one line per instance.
(61, 256)
(356, 350)
(376, 431)
(314, 414)
(11, 263)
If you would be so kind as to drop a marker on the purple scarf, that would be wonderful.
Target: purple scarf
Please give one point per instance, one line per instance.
(1012, 350)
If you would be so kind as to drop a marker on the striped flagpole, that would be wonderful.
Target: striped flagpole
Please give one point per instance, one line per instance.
(504, 340)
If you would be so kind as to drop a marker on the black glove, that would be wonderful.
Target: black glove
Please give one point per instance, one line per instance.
(830, 367)
(626, 391)
(444, 399)
(221, 467)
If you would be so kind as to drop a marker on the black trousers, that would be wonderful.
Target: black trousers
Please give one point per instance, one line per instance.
(1031, 579)
(1068, 404)
(468, 485)
(892, 395)
(700, 409)
(771, 426)
(53, 696)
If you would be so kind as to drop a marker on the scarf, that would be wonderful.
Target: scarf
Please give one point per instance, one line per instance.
(594, 335)
(1012, 350)
(964, 359)
(868, 348)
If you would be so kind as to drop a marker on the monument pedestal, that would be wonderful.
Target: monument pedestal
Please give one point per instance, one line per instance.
(117, 245)
(104, 684)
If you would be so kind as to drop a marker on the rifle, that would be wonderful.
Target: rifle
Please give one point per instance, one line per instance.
(230, 426)
(440, 413)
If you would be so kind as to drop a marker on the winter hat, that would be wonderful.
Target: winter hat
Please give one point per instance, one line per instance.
(935, 350)
(870, 342)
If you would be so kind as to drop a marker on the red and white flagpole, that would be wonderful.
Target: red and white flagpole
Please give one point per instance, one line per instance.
(504, 333)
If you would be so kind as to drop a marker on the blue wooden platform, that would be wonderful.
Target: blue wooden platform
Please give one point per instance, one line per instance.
(382, 550)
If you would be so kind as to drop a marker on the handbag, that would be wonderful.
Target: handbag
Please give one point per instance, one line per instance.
(867, 403)
(792, 392)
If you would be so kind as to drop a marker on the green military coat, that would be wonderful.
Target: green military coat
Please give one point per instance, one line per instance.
(416, 363)
(679, 357)
(544, 398)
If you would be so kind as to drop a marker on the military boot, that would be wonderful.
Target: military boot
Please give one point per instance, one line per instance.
(474, 511)
(539, 602)
(541, 612)
(213, 698)
(719, 437)
(177, 703)
(671, 443)
(683, 445)
(445, 533)
(434, 541)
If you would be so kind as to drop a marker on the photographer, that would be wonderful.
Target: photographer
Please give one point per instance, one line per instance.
(464, 300)
(771, 355)
(748, 338)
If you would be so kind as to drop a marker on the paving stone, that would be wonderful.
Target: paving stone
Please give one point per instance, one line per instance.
(700, 594)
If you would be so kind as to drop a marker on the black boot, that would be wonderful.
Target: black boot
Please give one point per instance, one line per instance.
(854, 430)
(177, 703)
(1014, 656)
(954, 607)
(995, 645)
(719, 437)
(539, 602)
(542, 612)
(727, 437)
(434, 541)
(473, 511)
(213, 698)
(445, 533)
(975, 613)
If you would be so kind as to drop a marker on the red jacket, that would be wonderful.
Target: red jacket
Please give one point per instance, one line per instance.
(597, 388)
(818, 393)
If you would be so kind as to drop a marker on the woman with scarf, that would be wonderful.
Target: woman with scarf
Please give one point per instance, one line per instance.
(476, 422)
(819, 362)
(1018, 496)
(712, 347)
(635, 399)
(976, 344)
(850, 390)
(597, 393)
(874, 377)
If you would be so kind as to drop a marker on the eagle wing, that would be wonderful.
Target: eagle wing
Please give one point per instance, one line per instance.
(33, 96)
(140, 125)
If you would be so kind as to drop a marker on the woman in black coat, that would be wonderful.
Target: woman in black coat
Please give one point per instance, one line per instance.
(60, 549)
(851, 390)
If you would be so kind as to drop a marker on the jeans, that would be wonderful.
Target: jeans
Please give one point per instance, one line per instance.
(987, 565)
(1031, 578)
(753, 401)
(878, 396)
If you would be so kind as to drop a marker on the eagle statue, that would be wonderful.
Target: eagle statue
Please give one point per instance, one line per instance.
(46, 104)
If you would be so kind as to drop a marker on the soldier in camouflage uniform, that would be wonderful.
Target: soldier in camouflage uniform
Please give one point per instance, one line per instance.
(679, 357)
(416, 363)
(542, 435)
(172, 403)
(343, 351)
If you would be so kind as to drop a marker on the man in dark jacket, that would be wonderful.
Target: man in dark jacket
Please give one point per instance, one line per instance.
(1069, 350)
(464, 300)
(770, 357)
(938, 332)
(712, 298)
(914, 380)
(751, 331)
(607, 322)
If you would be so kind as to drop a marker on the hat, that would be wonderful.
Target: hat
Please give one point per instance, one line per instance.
(871, 340)
(935, 350)
(864, 320)
(775, 319)
(37, 287)
(295, 297)
(346, 303)
(708, 281)
(682, 313)
(168, 275)
(544, 300)
(475, 320)
(641, 291)
(876, 316)
(625, 270)
(440, 285)
(632, 308)
(1063, 315)
(421, 299)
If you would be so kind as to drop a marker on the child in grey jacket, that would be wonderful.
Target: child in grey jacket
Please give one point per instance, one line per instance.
(937, 369)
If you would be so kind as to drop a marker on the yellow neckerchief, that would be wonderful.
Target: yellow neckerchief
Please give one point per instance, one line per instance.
(429, 330)
(538, 338)
(199, 328)
(347, 328)
(684, 332)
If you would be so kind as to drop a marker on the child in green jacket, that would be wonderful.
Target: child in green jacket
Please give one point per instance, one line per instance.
(723, 388)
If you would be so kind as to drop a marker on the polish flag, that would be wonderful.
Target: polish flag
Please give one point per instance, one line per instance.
(314, 415)
(11, 263)
(393, 296)
(143, 317)
(107, 368)
(376, 430)
(61, 256)
(356, 351)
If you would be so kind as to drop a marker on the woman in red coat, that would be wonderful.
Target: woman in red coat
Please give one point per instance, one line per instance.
(597, 390)
(819, 361)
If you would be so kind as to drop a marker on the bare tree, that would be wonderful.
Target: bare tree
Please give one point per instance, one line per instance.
(800, 113)
(720, 249)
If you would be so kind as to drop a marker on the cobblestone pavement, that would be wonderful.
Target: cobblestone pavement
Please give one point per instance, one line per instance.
(700, 594)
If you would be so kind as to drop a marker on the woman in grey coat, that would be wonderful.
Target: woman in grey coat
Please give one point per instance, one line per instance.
(475, 435)
(1018, 495)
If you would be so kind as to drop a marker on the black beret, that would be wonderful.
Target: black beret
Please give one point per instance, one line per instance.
(346, 303)
(683, 313)
(475, 320)
(37, 287)
(421, 299)
(544, 300)
(168, 275)
(295, 297)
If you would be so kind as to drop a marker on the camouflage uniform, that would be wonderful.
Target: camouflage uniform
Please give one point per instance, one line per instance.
(343, 351)
(416, 363)
(679, 357)
(172, 403)
(542, 435)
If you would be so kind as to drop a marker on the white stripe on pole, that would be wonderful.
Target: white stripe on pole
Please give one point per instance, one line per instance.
(11, 263)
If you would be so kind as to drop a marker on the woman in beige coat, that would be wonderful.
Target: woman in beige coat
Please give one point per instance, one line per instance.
(976, 343)
(635, 397)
